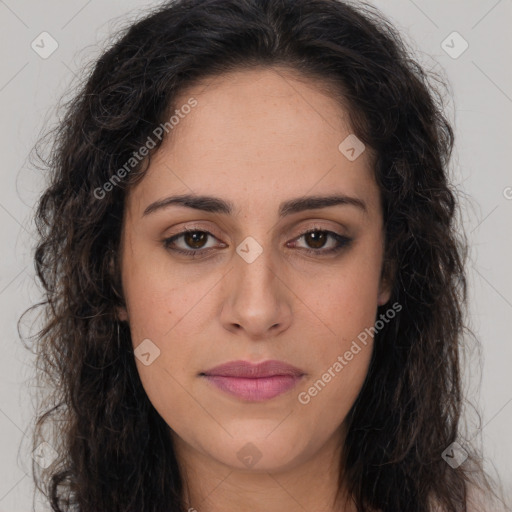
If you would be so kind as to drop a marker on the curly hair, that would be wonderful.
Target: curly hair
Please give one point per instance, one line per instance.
(114, 452)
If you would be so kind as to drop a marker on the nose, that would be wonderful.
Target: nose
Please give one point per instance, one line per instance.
(257, 299)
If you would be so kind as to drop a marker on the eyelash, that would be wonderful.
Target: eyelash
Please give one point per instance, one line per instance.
(342, 242)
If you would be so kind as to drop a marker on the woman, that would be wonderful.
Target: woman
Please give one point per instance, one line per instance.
(254, 287)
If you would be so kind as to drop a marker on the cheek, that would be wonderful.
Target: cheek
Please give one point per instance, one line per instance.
(346, 299)
(346, 303)
(172, 310)
(174, 319)
(166, 312)
(325, 400)
(340, 359)
(160, 299)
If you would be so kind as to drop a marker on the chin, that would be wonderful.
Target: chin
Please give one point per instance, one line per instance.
(252, 451)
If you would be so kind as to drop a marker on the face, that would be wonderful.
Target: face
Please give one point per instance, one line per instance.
(247, 284)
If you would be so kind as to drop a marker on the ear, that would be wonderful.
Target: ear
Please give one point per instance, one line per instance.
(384, 294)
(115, 276)
(386, 283)
(122, 314)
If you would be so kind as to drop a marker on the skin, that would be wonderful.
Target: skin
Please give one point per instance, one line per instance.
(256, 138)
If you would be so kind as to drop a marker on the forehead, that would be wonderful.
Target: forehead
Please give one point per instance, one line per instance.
(258, 133)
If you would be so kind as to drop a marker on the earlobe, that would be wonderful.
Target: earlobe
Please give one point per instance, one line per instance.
(114, 271)
(122, 314)
(383, 296)
(386, 283)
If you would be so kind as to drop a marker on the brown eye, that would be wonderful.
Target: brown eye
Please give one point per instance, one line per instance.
(195, 239)
(316, 239)
(322, 242)
(192, 242)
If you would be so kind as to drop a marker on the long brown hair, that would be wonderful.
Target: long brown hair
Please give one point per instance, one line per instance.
(114, 452)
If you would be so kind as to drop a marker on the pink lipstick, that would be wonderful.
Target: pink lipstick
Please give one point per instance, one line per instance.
(254, 382)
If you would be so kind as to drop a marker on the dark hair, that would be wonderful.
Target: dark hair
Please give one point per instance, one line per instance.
(115, 453)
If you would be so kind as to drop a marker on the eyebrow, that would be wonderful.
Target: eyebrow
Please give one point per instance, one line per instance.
(212, 204)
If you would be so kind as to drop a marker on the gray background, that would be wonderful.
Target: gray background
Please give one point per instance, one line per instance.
(480, 109)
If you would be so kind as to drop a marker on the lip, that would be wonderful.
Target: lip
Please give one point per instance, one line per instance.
(254, 382)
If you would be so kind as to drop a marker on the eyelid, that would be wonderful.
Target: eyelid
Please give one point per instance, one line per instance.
(212, 231)
(340, 240)
(172, 238)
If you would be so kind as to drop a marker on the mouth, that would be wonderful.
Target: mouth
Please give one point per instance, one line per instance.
(254, 382)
